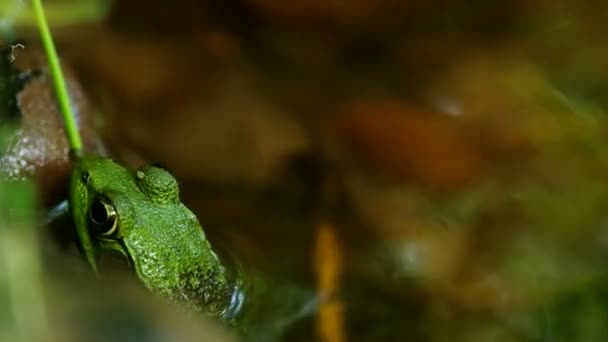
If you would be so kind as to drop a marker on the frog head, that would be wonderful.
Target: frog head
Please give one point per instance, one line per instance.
(139, 214)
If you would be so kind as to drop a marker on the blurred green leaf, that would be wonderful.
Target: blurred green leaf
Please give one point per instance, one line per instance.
(59, 13)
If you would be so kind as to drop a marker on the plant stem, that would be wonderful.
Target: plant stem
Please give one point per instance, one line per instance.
(63, 99)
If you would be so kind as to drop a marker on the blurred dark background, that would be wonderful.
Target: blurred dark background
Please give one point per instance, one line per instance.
(457, 149)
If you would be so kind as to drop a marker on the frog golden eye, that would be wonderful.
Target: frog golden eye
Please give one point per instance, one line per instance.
(103, 217)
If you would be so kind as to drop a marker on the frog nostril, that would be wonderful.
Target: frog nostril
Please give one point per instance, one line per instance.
(85, 177)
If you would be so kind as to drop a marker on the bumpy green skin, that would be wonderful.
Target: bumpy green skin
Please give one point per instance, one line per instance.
(160, 236)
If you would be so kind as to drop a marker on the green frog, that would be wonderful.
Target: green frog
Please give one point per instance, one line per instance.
(139, 215)
(160, 238)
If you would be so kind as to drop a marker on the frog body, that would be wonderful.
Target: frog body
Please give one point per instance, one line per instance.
(139, 214)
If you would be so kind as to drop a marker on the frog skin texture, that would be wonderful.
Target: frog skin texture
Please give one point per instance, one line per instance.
(139, 214)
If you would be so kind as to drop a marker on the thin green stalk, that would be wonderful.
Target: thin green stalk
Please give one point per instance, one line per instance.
(69, 119)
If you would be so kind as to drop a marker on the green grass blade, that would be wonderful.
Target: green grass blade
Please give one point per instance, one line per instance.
(63, 99)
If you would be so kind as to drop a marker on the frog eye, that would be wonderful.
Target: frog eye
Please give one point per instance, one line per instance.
(103, 217)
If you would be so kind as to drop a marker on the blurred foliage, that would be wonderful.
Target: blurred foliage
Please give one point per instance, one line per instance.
(16, 14)
(21, 296)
